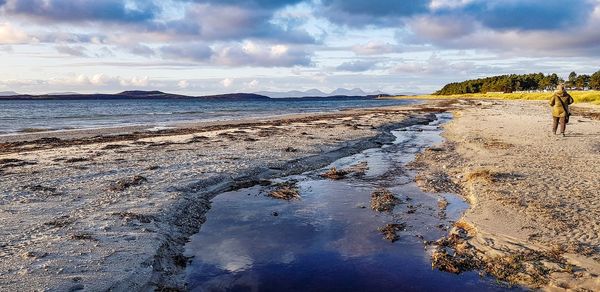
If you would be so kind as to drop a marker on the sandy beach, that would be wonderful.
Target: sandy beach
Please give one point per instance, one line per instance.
(87, 210)
(534, 196)
(101, 210)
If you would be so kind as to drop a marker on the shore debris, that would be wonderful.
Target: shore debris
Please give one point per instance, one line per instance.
(40, 189)
(77, 159)
(382, 200)
(337, 174)
(10, 163)
(114, 146)
(390, 231)
(291, 149)
(83, 236)
(129, 216)
(244, 184)
(61, 221)
(286, 191)
(126, 183)
(484, 175)
(454, 254)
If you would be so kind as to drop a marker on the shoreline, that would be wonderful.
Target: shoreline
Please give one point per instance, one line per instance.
(114, 212)
(180, 123)
(83, 202)
(533, 214)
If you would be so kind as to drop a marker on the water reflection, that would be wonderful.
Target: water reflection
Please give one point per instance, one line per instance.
(329, 240)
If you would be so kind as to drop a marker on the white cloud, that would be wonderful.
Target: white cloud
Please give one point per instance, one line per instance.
(100, 80)
(11, 35)
(255, 54)
(183, 84)
(253, 84)
(374, 48)
(134, 81)
(440, 4)
(227, 82)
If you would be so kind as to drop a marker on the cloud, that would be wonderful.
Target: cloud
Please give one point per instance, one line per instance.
(374, 48)
(11, 35)
(443, 27)
(261, 55)
(445, 34)
(357, 66)
(83, 10)
(190, 51)
(529, 14)
(210, 22)
(76, 51)
(183, 84)
(141, 50)
(100, 80)
(134, 82)
(227, 82)
(359, 13)
(272, 4)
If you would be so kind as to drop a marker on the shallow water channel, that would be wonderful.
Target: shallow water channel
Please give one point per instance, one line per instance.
(329, 239)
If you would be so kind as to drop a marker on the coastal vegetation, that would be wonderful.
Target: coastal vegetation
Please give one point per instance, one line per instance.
(590, 96)
(537, 86)
(519, 83)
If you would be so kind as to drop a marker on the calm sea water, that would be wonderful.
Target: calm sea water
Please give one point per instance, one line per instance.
(20, 115)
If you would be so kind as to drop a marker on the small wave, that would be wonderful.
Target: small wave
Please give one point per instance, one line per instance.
(34, 130)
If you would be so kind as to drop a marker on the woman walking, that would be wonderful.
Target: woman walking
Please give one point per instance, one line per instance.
(560, 102)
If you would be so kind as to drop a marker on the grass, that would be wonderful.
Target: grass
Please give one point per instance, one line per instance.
(592, 96)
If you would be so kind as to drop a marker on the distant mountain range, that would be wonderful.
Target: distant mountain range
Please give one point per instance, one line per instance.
(138, 94)
(318, 93)
(135, 94)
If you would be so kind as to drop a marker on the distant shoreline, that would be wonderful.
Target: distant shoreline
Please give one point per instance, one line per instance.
(156, 95)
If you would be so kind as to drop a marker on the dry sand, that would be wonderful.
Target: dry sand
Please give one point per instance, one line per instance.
(95, 211)
(535, 197)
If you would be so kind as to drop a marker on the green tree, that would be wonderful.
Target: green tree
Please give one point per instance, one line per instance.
(554, 80)
(582, 82)
(545, 83)
(572, 80)
(595, 81)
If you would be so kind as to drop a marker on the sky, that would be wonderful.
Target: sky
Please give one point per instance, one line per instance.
(201, 47)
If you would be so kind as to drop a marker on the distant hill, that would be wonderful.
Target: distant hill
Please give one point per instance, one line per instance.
(356, 92)
(8, 93)
(134, 94)
(62, 93)
(236, 96)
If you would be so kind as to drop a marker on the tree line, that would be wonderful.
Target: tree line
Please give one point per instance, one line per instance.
(525, 82)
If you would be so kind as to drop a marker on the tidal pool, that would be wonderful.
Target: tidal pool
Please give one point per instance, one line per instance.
(328, 240)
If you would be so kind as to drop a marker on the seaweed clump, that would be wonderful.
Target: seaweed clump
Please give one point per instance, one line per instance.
(335, 174)
(285, 191)
(454, 254)
(382, 200)
(390, 231)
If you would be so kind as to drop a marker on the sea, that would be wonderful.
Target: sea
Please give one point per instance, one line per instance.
(20, 116)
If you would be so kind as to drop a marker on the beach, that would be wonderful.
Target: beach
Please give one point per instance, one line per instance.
(101, 211)
(534, 196)
(114, 208)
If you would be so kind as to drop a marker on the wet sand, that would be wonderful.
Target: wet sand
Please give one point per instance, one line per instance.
(95, 210)
(535, 197)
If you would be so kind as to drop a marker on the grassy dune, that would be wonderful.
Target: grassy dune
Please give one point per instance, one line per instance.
(579, 96)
